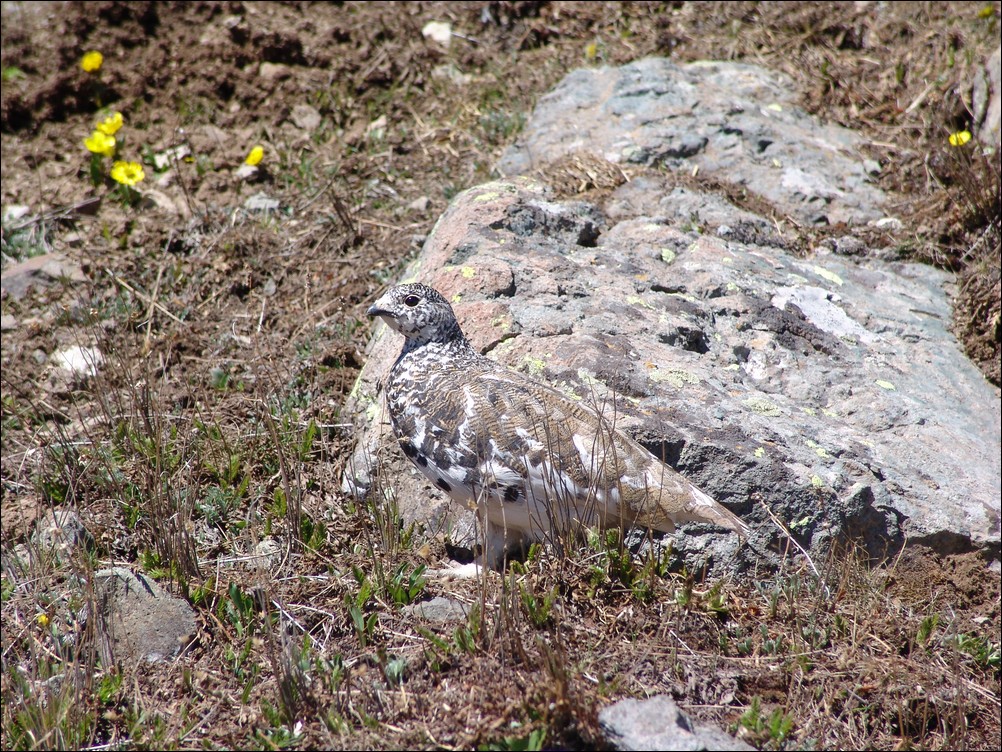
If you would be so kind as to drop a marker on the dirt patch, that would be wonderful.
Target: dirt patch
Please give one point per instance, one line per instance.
(227, 303)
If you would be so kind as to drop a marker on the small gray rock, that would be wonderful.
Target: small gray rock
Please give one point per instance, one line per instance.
(274, 71)
(14, 212)
(887, 224)
(438, 609)
(261, 202)
(268, 554)
(305, 117)
(139, 620)
(18, 279)
(62, 530)
(658, 724)
(420, 204)
(250, 172)
(81, 362)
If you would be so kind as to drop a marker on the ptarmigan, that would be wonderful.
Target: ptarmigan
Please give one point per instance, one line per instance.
(531, 461)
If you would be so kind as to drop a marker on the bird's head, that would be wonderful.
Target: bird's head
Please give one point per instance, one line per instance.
(418, 312)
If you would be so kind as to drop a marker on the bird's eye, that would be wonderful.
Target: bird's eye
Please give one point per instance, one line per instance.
(411, 300)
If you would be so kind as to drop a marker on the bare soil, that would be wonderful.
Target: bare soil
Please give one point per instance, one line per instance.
(231, 338)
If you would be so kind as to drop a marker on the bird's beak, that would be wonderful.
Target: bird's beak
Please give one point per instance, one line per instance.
(378, 309)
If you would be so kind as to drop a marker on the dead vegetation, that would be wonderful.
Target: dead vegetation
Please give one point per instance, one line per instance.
(231, 336)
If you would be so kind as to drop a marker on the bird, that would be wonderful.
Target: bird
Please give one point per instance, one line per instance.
(533, 463)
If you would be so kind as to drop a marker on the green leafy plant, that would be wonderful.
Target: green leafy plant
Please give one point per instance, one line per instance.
(238, 609)
(406, 584)
(985, 653)
(12, 73)
(539, 609)
(363, 623)
(531, 742)
(773, 728)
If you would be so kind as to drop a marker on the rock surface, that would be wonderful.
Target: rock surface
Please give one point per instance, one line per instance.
(142, 622)
(987, 100)
(825, 391)
(658, 724)
(735, 122)
(439, 610)
(61, 531)
(38, 272)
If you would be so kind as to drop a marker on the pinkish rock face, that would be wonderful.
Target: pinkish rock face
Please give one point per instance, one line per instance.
(826, 387)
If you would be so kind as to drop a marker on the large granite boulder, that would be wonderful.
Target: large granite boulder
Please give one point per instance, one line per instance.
(823, 391)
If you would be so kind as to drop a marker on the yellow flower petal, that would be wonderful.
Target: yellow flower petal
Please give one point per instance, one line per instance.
(43, 620)
(92, 61)
(255, 156)
(110, 124)
(100, 143)
(960, 138)
(127, 173)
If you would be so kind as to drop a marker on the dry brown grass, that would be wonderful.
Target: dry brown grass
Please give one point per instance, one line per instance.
(231, 340)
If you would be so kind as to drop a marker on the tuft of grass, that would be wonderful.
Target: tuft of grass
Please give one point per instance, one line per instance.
(531, 742)
(406, 584)
(10, 73)
(26, 238)
(769, 731)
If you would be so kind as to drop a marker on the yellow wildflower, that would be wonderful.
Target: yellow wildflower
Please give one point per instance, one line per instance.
(43, 620)
(960, 138)
(92, 61)
(110, 124)
(255, 156)
(100, 143)
(127, 173)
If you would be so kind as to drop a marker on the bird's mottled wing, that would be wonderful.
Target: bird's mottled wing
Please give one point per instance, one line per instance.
(613, 477)
(572, 459)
